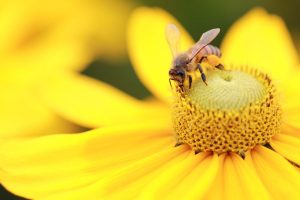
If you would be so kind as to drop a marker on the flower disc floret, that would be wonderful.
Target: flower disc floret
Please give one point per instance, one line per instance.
(238, 110)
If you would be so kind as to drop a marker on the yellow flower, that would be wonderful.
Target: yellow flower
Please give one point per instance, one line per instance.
(39, 38)
(133, 156)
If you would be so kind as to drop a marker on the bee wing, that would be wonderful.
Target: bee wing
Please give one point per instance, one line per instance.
(173, 38)
(205, 39)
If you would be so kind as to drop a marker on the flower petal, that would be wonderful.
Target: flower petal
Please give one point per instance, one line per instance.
(290, 130)
(131, 181)
(251, 185)
(23, 114)
(236, 180)
(36, 168)
(216, 191)
(38, 38)
(92, 103)
(149, 50)
(261, 40)
(289, 91)
(34, 66)
(278, 175)
(128, 182)
(288, 146)
(170, 177)
(291, 108)
(191, 188)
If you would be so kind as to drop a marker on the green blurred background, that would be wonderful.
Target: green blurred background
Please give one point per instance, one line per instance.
(197, 16)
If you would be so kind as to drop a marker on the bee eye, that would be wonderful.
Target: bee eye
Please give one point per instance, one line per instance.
(180, 73)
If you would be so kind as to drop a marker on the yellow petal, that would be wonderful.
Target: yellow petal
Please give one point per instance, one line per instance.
(139, 175)
(23, 114)
(292, 118)
(261, 40)
(278, 175)
(216, 191)
(149, 50)
(34, 66)
(231, 182)
(290, 130)
(236, 180)
(37, 34)
(251, 185)
(170, 177)
(91, 103)
(196, 184)
(129, 181)
(30, 26)
(36, 168)
(290, 103)
(288, 146)
(290, 90)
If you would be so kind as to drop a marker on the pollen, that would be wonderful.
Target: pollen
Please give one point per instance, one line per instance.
(236, 111)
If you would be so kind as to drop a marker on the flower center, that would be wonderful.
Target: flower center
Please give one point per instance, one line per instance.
(237, 110)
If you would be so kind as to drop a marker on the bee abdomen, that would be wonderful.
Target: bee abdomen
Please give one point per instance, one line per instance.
(211, 50)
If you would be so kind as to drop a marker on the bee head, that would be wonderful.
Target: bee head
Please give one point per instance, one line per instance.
(177, 73)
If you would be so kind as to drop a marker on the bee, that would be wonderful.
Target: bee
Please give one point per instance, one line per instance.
(190, 60)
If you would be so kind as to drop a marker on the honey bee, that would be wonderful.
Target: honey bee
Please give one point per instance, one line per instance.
(190, 60)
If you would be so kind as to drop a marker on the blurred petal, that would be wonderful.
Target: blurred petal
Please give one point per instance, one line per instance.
(292, 118)
(274, 169)
(22, 114)
(290, 130)
(261, 40)
(76, 162)
(290, 89)
(110, 26)
(35, 34)
(32, 67)
(149, 50)
(41, 38)
(290, 102)
(288, 146)
(26, 26)
(92, 103)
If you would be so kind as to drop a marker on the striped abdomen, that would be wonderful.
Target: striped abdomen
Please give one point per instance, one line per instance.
(207, 50)
(210, 50)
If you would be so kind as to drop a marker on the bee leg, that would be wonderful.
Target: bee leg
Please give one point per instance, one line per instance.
(203, 77)
(170, 83)
(220, 66)
(190, 81)
(181, 86)
(204, 58)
